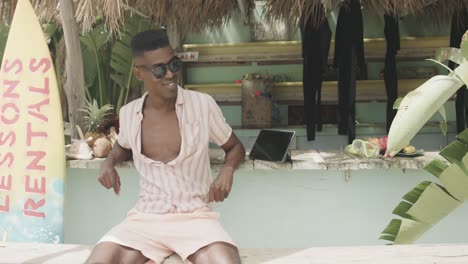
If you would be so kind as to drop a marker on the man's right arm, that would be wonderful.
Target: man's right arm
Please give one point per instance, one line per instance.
(108, 176)
(118, 155)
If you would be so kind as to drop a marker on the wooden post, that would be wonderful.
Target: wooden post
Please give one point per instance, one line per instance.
(74, 85)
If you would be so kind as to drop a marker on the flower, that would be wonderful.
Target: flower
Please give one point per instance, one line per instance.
(258, 93)
(383, 142)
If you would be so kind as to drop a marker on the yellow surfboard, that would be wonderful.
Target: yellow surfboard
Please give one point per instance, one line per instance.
(32, 152)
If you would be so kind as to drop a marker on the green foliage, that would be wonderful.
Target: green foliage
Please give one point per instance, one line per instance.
(54, 36)
(428, 203)
(108, 63)
(3, 38)
(96, 116)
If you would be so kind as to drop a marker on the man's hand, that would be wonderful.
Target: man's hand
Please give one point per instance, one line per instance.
(108, 177)
(221, 186)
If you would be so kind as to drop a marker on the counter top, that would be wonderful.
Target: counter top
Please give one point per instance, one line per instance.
(301, 160)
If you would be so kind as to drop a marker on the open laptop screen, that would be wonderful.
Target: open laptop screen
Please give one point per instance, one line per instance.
(272, 145)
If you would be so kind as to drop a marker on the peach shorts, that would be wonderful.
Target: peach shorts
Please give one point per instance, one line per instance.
(158, 236)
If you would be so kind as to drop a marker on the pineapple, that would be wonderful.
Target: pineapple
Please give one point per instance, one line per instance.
(95, 120)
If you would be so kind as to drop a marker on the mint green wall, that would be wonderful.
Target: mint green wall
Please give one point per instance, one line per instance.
(274, 208)
(229, 74)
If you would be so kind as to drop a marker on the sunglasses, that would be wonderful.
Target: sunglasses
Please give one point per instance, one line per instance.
(160, 70)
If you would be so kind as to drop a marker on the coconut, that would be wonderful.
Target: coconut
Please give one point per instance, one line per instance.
(101, 148)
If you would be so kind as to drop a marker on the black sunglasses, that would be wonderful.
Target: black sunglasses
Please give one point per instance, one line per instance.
(160, 70)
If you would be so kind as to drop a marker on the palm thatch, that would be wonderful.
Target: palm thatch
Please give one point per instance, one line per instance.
(293, 10)
(198, 15)
(188, 16)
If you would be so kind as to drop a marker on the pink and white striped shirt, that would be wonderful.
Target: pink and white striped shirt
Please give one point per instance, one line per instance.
(182, 185)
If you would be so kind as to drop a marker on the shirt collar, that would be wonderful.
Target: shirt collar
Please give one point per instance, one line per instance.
(179, 100)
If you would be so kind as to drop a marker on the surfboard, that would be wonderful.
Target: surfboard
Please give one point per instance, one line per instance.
(32, 152)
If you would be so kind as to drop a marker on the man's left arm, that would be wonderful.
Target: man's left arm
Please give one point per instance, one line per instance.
(221, 186)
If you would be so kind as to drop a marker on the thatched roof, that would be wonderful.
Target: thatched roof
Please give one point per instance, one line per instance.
(197, 15)
(292, 10)
(187, 15)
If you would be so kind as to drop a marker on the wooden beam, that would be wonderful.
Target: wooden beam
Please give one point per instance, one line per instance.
(375, 49)
(292, 92)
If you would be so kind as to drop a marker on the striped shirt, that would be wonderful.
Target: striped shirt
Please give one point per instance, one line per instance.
(181, 185)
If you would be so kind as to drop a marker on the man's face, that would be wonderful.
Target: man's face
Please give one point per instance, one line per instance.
(166, 86)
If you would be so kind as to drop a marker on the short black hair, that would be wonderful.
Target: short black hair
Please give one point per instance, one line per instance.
(149, 40)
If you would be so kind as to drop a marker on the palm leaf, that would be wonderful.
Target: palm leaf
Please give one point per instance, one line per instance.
(121, 63)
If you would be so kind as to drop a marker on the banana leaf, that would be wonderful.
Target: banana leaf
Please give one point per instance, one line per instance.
(400, 231)
(455, 180)
(429, 203)
(432, 205)
(419, 105)
(463, 136)
(410, 231)
(93, 63)
(108, 62)
(414, 194)
(455, 151)
(436, 167)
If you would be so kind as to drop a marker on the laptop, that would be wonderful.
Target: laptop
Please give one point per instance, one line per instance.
(272, 145)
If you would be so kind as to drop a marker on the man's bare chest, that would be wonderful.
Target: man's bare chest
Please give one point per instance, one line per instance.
(161, 137)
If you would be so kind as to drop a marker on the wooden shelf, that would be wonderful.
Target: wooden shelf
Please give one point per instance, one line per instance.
(290, 51)
(292, 93)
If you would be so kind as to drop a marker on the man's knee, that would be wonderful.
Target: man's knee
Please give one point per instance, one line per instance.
(110, 253)
(219, 253)
(102, 253)
(227, 256)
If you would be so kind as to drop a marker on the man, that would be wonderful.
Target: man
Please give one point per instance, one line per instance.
(167, 131)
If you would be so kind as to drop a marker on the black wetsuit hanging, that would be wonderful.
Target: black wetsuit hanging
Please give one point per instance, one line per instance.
(457, 30)
(349, 59)
(315, 47)
(392, 36)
